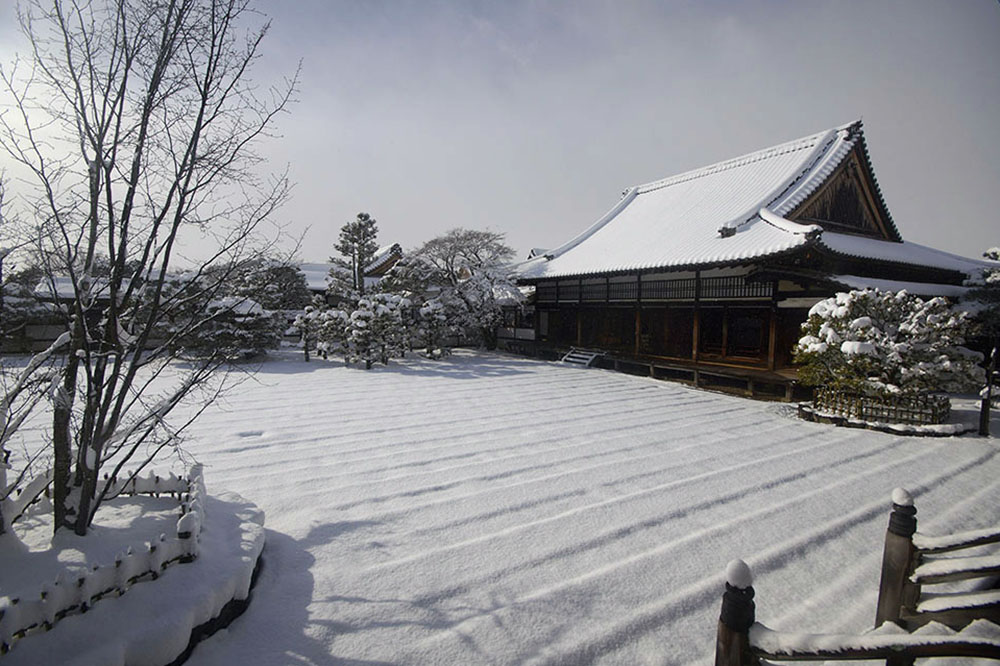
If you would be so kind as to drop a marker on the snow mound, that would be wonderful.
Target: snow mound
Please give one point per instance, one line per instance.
(153, 624)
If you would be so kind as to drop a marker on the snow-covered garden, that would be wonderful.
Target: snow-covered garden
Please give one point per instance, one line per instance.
(493, 509)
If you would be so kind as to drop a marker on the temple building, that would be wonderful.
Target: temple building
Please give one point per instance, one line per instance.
(712, 272)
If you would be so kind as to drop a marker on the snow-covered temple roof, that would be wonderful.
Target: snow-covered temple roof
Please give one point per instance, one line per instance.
(383, 256)
(734, 212)
(317, 274)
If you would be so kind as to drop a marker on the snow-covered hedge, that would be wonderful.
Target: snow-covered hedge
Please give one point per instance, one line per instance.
(887, 343)
(76, 593)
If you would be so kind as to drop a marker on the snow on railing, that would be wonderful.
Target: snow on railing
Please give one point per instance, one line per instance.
(77, 593)
(27, 495)
(952, 623)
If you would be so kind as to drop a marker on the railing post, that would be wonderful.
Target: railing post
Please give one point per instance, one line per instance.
(732, 642)
(897, 558)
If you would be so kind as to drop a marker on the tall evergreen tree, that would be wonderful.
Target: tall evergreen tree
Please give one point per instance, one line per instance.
(357, 247)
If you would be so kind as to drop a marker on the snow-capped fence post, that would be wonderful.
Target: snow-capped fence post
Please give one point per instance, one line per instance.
(732, 643)
(895, 589)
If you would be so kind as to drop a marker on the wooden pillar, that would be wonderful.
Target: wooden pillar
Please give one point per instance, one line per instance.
(732, 642)
(696, 320)
(579, 327)
(638, 330)
(772, 338)
(725, 330)
(895, 589)
(695, 326)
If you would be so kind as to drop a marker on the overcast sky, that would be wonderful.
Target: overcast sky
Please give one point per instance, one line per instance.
(531, 118)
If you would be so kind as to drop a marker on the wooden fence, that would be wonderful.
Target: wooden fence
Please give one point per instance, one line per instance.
(909, 623)
(77, 593)
(914, 410)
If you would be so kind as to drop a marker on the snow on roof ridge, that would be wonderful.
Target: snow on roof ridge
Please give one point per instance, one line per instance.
(824, 158)
(802, 143)
(829, 156)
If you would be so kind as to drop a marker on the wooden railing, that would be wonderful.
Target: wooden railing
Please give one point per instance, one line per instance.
(914, 410)
(909, 623)
(77, 593)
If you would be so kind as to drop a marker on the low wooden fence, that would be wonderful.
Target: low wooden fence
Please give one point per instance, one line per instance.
(77, 593)
(909, 623)
(913, 410)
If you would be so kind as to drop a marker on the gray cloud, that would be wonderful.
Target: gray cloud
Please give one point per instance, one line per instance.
(531, 117)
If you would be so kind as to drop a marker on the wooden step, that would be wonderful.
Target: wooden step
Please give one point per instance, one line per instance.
(581, 357)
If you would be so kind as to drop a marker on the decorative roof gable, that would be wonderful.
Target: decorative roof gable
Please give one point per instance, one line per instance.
(850, 200)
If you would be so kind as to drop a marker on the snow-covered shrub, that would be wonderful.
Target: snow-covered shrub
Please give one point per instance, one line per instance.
(434, 325)
(886, 343)
(234, 329)
(331, 332)
(306, 325)
(389, 335)
(361, 342)
(19, 308)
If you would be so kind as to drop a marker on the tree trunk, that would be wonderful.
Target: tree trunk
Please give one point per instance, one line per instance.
(62, 445)
(489, 337)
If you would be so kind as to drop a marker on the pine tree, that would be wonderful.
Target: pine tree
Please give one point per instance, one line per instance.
(357, 247)
(331, 333)
(361, 342)
(886, 343)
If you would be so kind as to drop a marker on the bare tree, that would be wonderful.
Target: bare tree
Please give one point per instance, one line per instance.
(473, 267)
(137, 122)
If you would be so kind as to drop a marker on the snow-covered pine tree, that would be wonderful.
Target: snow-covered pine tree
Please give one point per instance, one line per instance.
(357, 247)
(275, 284)
(384, 326)
(434, 325)
(361, 342)
(331, 333)
(19, 307)
(235, 329)
(886, 343)
(308, 323)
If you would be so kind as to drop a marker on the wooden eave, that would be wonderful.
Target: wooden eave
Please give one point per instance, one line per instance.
(670, 269)
(894, 270)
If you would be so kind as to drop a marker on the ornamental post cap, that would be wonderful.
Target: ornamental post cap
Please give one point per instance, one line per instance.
(738, 574)
(901, 497)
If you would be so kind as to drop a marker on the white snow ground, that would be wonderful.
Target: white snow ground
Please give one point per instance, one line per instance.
(496, 510)
(488, 509)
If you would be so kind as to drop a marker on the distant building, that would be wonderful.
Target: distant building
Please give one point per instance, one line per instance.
(317, 274)
(715, 269)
